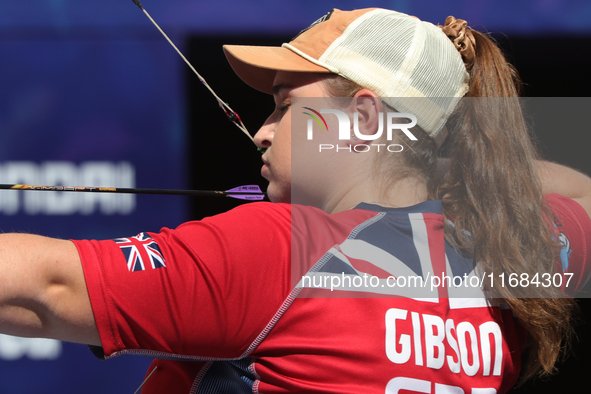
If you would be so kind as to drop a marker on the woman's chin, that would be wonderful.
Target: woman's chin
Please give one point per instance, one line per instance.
(276, 194)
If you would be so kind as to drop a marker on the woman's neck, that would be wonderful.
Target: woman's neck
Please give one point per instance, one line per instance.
(402, 193)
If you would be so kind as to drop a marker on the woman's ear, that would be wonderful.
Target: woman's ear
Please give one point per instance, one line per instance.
(367, 114)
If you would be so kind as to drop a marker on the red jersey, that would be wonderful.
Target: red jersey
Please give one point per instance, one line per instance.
(274, 298)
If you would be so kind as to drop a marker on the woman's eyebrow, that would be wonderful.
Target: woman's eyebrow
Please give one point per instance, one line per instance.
(279, 87)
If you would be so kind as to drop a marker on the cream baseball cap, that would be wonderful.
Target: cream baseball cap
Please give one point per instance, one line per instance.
(411, 64)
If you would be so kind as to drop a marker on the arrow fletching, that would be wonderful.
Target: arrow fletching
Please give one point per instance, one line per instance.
(247, 192)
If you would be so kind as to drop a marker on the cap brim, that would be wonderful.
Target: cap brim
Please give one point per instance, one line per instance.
(257, 65)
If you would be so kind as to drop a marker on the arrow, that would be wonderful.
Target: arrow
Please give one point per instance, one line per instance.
(246, 192)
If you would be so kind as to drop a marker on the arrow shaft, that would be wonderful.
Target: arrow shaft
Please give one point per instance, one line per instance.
(91, 189)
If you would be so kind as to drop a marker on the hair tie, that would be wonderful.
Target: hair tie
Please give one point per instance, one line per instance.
(462, 38)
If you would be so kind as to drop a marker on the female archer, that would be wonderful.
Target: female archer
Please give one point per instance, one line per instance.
(331, 288)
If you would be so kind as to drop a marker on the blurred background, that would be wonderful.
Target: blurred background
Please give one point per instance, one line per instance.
(91, 94)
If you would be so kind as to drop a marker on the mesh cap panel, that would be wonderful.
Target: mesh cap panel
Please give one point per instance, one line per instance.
(400, 57)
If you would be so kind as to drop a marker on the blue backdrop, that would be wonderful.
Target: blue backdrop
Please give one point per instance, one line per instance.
(86, 108)
(272, 16)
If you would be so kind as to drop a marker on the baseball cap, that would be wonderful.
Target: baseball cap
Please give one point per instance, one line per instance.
(411, 64)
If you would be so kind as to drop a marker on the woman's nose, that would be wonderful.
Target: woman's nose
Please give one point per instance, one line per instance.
(264, 137)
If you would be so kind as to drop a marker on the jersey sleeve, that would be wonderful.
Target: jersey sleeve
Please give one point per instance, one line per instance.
(573, 228)
(205, 290)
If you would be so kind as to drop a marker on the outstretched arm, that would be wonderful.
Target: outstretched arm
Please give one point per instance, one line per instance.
(43, 292)
(565, 181)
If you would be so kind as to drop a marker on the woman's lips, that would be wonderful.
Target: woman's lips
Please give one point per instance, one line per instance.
(265, 169)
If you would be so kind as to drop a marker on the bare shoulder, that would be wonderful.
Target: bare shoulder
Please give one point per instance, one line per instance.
(568, 182)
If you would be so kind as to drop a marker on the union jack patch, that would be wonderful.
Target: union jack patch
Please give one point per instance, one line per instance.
(141, 252)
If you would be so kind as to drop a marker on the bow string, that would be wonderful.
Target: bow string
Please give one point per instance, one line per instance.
(230, 113)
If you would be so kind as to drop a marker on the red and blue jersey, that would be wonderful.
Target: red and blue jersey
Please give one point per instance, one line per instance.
(274, 298)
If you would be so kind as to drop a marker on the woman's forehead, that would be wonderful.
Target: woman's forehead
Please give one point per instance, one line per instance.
(285, 80)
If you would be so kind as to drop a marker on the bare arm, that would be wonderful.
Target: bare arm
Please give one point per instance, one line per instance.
(42, 290)
(556, 178)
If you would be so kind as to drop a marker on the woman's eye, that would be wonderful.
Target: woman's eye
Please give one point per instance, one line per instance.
(282, 108)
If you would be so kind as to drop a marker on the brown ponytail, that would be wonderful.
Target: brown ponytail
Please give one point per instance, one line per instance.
(491, 190)
(492, 194)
